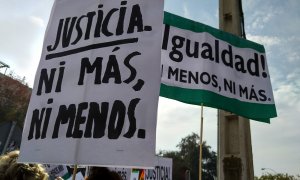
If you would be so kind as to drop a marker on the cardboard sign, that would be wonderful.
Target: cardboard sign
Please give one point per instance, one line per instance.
(57, 171)
(162, 170)
(95, 95)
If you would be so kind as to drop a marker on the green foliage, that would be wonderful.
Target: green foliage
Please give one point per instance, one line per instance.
(187, 158)
(278, 176)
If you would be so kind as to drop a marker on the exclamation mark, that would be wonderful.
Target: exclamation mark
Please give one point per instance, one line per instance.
(263, 65)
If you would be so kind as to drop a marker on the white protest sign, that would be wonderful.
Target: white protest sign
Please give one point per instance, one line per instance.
(124, 173)
(201, 64)
(94, 100)
(162, 170)
(57, 170)
(137, 174)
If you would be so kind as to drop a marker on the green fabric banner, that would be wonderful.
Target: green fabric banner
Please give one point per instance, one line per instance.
(201, 64)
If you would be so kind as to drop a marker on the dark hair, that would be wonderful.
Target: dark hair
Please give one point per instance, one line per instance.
(102, 173)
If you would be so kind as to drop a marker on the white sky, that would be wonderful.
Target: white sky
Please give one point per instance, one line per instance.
(273, 23)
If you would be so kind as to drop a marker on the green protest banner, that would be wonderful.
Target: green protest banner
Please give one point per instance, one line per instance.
(201, 64)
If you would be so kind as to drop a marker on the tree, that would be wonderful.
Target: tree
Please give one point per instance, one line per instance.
(187, 158)
(14, 99)
(179, 165)
(278, 176)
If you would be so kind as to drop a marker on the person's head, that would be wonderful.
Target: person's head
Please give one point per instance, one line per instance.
(99, 173)
(11, 170)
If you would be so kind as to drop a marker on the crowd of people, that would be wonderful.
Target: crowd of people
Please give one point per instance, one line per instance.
(10, 169)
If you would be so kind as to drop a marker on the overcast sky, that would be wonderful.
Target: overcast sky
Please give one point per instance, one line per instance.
(273, 23)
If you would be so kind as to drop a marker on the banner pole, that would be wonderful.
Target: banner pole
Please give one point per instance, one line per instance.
(200, 146)
(74, 172)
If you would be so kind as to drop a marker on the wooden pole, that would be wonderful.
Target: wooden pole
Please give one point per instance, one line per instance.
(74, 172)
(200, 146)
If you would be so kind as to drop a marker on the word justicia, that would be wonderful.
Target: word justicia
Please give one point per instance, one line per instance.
(99, 23)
